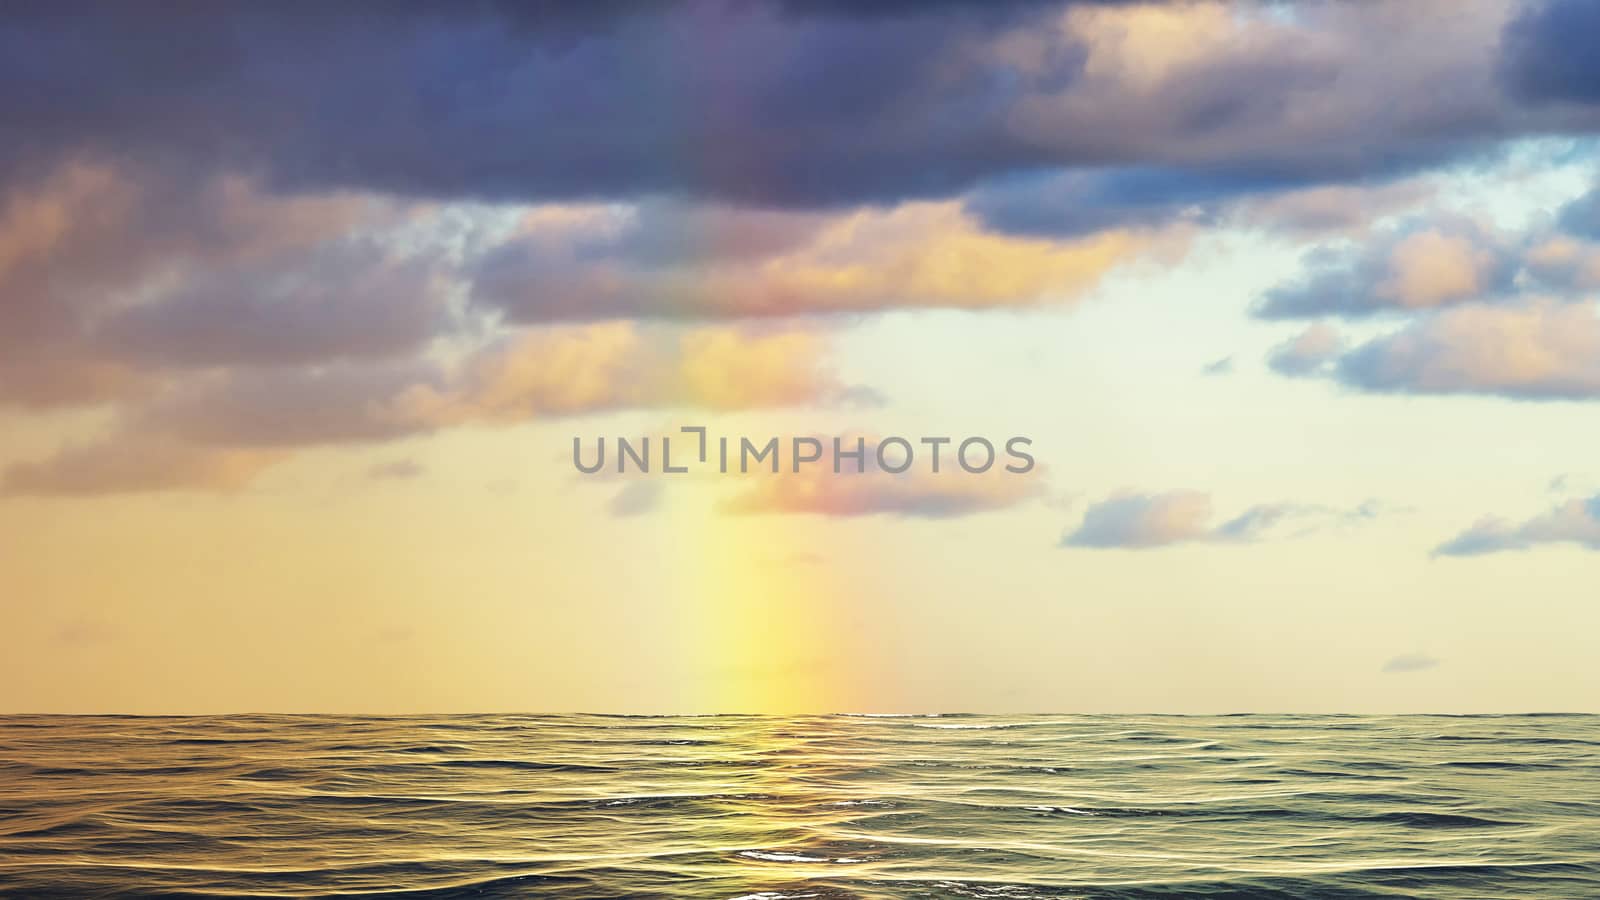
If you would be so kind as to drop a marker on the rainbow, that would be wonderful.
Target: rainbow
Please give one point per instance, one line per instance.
(757, 623)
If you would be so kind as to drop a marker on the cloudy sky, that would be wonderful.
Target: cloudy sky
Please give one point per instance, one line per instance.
(302, 308)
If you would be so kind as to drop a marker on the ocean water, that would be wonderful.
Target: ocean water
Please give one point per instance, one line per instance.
(767, 808)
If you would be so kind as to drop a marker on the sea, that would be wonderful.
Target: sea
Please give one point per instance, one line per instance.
(771, 808)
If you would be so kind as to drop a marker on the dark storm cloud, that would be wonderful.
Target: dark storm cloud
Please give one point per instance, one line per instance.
(493, 101)
(795, 104)
(873, 9)
(1550, 53)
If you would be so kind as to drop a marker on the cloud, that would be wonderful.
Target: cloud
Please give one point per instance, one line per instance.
(1412, 268)
(42, 377)
(1538, 351)
(1079, 202)
(1573, 522)
(1279, 92)
(1325, 210)
(588, 267)
(345, 301)
(1257, 520)
(85, 246)
(612, 366)
(1488, 313)
(395, 470)
(1221, 366)
(1563, 263)
(284, 259)
(1143, 521)
(1308, 354)
(918, 492)
(217, 429)
(136, 465)
(534, 375)
(635, 499)
(1424, 266)
(1581, 217)
(1410, 662)
(296, 407)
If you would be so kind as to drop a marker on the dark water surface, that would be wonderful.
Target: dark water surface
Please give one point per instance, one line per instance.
(764, 808)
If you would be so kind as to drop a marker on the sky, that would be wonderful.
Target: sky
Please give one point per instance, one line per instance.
(303, 309)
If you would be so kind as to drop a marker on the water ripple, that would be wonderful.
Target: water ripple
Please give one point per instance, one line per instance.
(827, 807)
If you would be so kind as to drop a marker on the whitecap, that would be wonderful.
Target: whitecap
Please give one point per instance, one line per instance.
(779, 857)
(969, 727)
